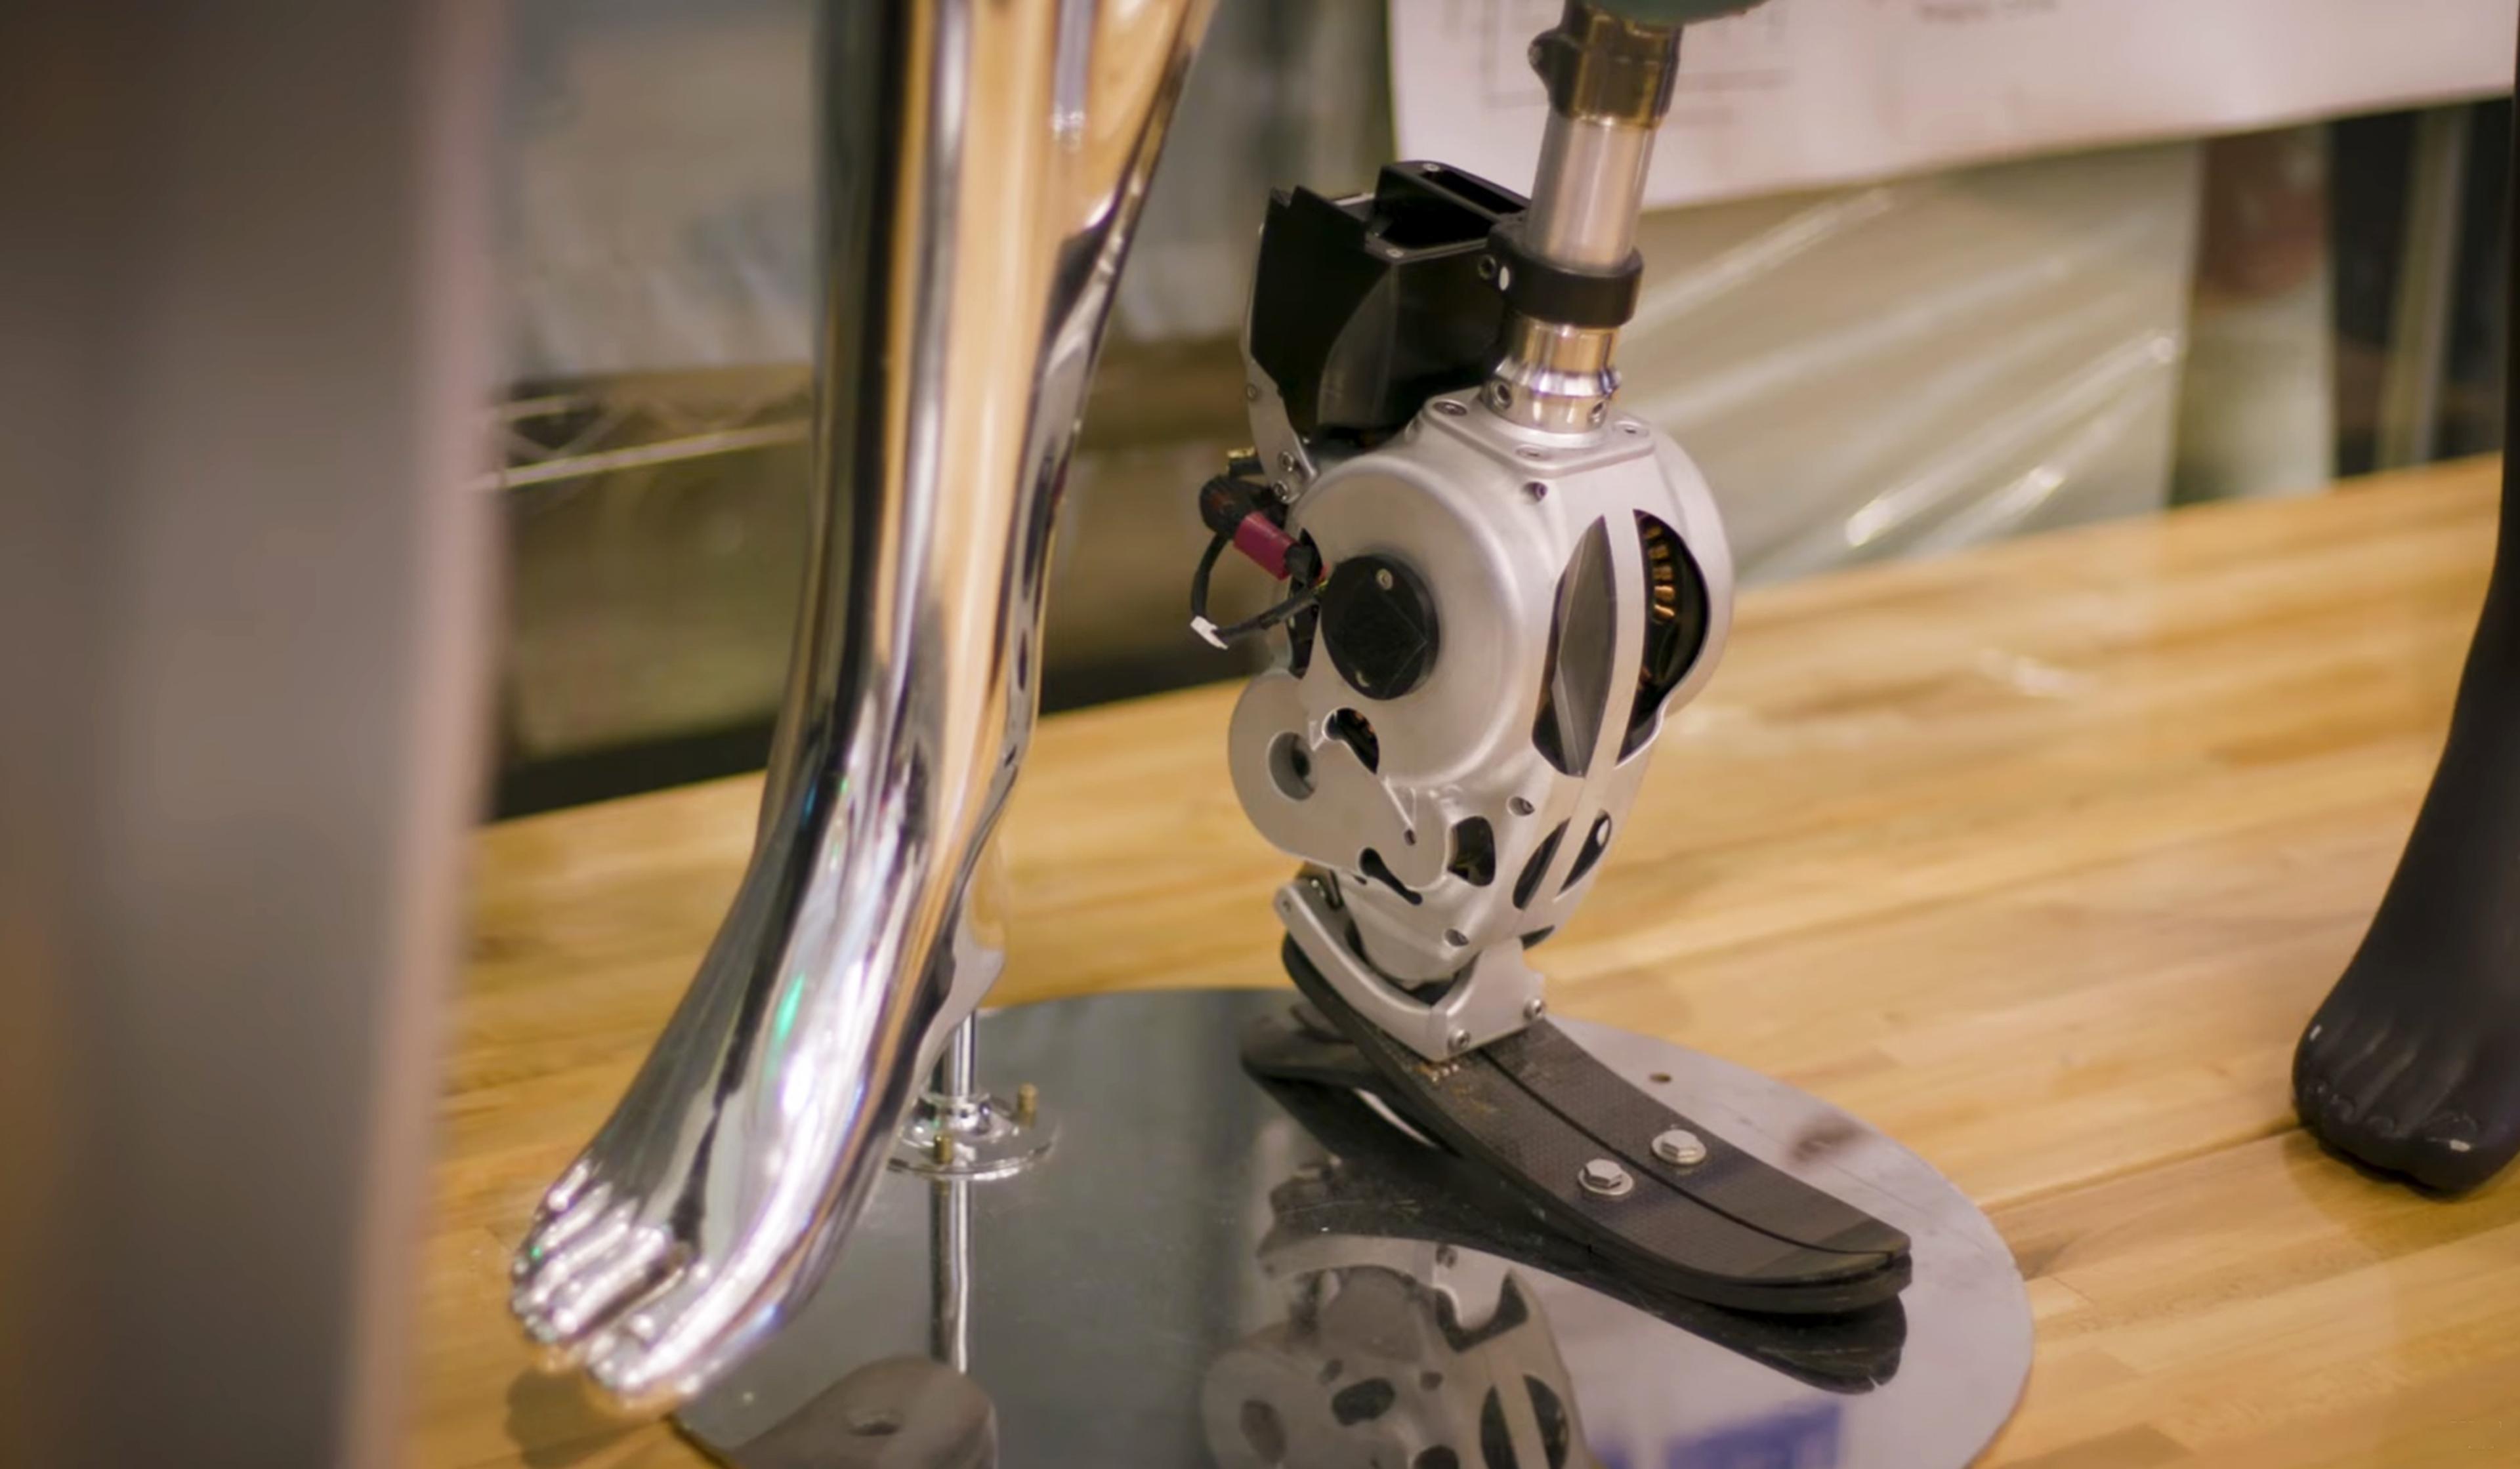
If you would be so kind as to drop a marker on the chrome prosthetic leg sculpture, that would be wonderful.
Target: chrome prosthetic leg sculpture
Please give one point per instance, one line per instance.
(985, 164)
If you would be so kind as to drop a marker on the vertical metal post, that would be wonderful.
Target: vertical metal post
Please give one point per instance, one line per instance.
(949, 1239)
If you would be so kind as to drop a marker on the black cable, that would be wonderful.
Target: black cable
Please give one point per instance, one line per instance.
(1303, 597)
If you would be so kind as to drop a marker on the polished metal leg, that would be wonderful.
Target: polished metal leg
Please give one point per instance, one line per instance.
(985, 161)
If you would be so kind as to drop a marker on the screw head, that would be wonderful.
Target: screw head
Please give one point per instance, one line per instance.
(1458, 1041)
(1383, 579)
(1487, 267)
(1251, 392)
(1519, 807)
(1604, 1179)
(1449, 408)
(1534, 1008)
(1679, 1148)
(1285, 460)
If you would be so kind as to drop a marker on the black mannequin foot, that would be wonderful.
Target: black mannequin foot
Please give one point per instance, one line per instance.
(2413, 1072)
(2412, 1064)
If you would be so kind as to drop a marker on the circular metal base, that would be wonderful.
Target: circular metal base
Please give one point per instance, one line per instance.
(1132, 1297)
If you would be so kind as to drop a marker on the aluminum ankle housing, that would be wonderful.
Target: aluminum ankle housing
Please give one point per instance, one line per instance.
(1578, 588)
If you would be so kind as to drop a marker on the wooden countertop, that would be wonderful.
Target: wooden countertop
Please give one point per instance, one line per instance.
(2036, 856)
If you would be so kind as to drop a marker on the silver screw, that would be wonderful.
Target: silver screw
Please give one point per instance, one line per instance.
(1679, 1148)
(1285, 460)
(1383, 579)
(1449, 408)
(1519, 805)
(1604, 1178)
(1534, 1009)
(1251, 392)
(1458, 1041)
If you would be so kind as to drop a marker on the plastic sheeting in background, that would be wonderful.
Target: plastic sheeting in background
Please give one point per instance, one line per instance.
(1910, 367)
(1865, 373)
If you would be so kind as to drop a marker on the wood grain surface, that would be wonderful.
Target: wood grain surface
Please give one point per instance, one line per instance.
(2036, 856)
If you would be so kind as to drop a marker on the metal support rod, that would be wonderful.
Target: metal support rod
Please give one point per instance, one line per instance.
(949, 1240)
(957, 1077)
(1589, 190)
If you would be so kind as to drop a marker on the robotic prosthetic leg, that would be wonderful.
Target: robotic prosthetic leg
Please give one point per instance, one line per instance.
(984, 165)
(1500, 586)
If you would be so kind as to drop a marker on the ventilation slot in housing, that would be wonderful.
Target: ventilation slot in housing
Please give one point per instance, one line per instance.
(1473, 858)
(1529, 882)
(1677, 617)
(1595, 842)
(1582, 640)
(1371, 864)
(1354, 731)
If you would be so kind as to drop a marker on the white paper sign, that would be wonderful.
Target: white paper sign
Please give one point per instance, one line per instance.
(1804, 93)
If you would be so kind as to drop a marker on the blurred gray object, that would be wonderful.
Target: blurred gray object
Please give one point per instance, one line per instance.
(659, 176)
(241, 580)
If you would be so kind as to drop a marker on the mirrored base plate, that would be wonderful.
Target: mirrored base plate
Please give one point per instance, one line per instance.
(1134, 1297)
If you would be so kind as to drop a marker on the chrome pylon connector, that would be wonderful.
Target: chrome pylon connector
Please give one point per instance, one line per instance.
(1610, 82)
(983, 164)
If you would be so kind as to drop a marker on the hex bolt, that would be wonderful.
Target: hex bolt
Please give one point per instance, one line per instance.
(1604, 1179)
(1679, 1148)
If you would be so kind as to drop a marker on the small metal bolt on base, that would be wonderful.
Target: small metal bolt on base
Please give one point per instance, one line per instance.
(1604, 1178)
(957, 1130)
(1679, 1148)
